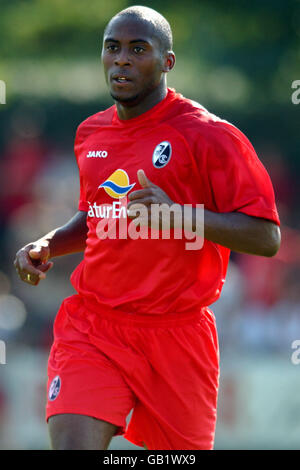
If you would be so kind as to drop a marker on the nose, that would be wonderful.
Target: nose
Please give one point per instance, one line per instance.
(122, 58)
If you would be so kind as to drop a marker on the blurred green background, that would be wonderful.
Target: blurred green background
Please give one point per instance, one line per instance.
(238, 59)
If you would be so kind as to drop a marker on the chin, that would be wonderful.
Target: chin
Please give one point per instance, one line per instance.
(126, 100)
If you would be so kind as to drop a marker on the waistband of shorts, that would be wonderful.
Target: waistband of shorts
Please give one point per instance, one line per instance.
(144, 320)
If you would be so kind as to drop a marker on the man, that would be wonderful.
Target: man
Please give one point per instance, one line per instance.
(139, 335)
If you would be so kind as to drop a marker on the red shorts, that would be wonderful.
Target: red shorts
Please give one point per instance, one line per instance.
(163, 367)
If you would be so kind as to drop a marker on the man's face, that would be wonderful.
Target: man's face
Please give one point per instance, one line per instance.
(132, 60)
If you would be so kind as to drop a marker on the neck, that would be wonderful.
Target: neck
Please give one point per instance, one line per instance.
(128, 112)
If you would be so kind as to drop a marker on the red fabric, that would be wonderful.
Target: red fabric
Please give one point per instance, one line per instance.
(212, 163)
(165, 367)
(139, 335)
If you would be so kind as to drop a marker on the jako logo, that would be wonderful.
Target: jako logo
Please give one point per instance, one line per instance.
(97, 154)
(117, 185)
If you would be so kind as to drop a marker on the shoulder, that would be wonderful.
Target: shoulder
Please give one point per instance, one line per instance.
(201, 127)
(92, 123)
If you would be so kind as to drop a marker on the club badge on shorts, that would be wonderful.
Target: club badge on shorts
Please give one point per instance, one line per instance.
(162, 154)
(54, 388)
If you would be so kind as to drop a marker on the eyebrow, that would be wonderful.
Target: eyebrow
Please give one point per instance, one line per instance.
(130, 42)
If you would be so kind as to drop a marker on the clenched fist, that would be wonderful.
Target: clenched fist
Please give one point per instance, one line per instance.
(32, 263)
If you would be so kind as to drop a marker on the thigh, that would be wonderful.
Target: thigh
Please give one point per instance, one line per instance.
(82, 381)
(79, 432)
(177, 403)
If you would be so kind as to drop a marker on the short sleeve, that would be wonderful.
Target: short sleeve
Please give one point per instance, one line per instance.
(82, 203)
(237, 178)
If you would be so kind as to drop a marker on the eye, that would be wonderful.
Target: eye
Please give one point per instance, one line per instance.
(111, 47)
(138, 49)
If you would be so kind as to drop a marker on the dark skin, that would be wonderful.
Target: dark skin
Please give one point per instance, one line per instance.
(135, 69)
(237, 231)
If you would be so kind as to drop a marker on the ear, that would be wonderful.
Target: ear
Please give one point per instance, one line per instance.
(169, 61)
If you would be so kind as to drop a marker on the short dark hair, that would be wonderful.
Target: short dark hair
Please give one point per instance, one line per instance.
(161, 27)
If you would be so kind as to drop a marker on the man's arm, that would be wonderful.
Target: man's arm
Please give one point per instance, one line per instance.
(32, 261)
(234, 230)
(240, 232)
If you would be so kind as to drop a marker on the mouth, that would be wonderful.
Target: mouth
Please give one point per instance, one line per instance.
(120, 79)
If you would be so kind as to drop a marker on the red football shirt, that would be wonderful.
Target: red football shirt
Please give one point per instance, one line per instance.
(196, 158)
